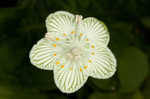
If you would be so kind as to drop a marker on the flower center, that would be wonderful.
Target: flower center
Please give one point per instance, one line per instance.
(74, 54)
(76, 51)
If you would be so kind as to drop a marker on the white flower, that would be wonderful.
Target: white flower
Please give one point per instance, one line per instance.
(74, 48)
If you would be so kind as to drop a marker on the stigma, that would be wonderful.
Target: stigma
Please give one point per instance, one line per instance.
(74, 54)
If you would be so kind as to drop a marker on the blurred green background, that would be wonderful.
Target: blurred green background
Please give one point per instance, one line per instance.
(22, 24)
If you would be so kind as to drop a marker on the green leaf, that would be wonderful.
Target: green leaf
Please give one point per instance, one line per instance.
(98, 95)
(58, 96)
(138, 95)
(146, 89)
(11, 55)
(132, 69)
(23, 93)
(43, 80)
(82, 93)
(32, 77)
(132, 7)
(5, 92)
(105, 84)
(146, 21)
(121, 36)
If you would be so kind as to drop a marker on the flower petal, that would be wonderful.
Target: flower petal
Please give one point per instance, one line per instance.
(103, 63)
(43, 54)
(69, 78)
(60, 22)
(95, 30)
(63, 13)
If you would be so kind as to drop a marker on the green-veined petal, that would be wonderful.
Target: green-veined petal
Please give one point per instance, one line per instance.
(60, 22)
(69, 77)
(103, 63)
(95, 30)
(43, 54)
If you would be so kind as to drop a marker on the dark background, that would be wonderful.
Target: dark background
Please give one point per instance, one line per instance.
(22, 24)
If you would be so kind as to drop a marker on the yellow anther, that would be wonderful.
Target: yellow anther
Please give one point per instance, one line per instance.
(90, 61)
(73, 32)
(93, 53)
(85, 67)
(62, 66)
(57, 39)
(54, 45)
(70, 68)
(92, 46)
(54, 54)
(80, 69)
(87, 39)
(81, 34)
(57, 62)
(64, 34)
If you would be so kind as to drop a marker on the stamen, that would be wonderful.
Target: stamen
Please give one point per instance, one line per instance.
(80, 69)
(81, 34)
(64, 34)
(85, 67)
(54, 54)
(57, 39)
(54, 45)
(49, 36)
(78, 19)
(93, 53)
(92, 46)
(62, 66)
(87, 39)
(90, 61)
(73, 32)
(57, 62)
(70, 68)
